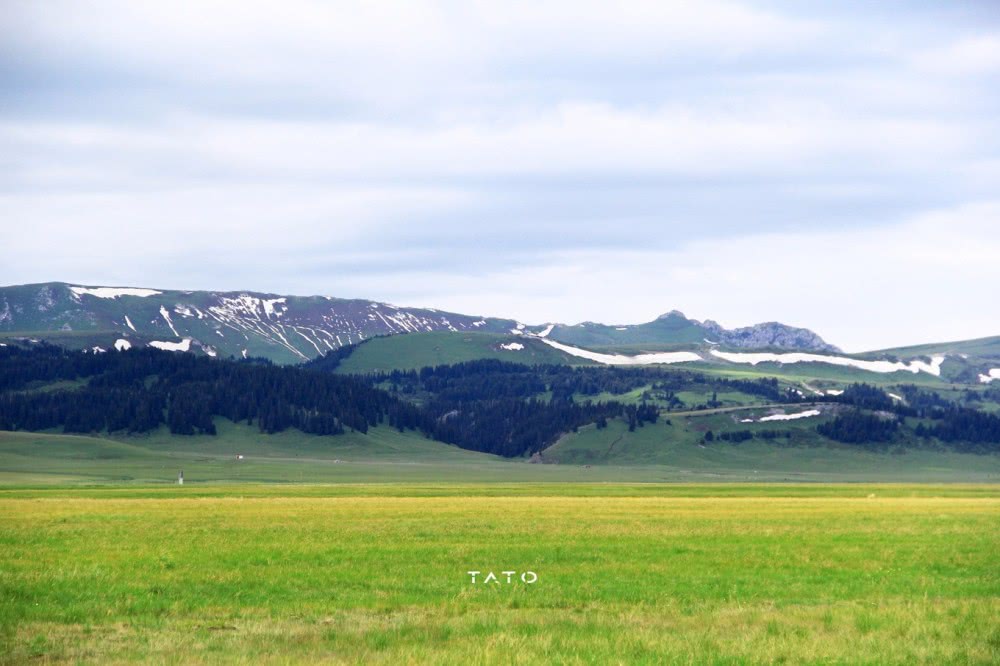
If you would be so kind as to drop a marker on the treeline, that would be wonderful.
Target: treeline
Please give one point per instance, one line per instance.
(507, 409)
(491, 378)
(962, 427)
(477, 408)
(142, 389)
(510, 426)
(863, 428)
(498, 407)
(865, 396)
(331, 360)
(738, 436)
(966, 429)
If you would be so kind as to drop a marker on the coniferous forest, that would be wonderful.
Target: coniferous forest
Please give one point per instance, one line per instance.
(491, 406)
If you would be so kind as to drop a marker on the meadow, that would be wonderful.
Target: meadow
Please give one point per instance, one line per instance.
(376, 573)
(655, 453)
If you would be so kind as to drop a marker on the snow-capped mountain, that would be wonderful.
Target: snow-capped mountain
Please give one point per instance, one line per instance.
(285, 329)
(296, 328)
(293, 329)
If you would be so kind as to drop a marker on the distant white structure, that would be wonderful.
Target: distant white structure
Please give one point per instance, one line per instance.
(180, 478)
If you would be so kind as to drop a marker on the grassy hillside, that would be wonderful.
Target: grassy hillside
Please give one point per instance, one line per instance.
(966, 359)
(418, 350)
(415, 350)
(982, 347)
(817, 375)
(651, 453)
(807, 457)
(283, 457)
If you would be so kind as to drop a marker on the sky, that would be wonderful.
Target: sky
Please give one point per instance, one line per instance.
(828, 165)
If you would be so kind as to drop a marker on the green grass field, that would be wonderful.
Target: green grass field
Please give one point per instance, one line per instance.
(377, 574)
(354, 549)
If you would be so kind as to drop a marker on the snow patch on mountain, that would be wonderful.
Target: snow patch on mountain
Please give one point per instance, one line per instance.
(184, 345)
(113, 292)
(753, 358)
(618, 359)
(121, 344)
(269, 308)
(512, 346)
(128, 322)
(546, 331)
(791, 417)
(166, 316)
(990, 376)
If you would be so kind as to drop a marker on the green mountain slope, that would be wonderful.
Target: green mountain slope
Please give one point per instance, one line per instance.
(418, 350)
(427, 349)
(968, 361)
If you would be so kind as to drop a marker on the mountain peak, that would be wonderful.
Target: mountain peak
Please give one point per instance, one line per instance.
(672, 314)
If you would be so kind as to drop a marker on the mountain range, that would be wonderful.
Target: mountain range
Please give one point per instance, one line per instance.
(294, 329)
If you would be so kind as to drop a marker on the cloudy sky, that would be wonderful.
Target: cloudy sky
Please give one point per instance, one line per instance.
(830, 167)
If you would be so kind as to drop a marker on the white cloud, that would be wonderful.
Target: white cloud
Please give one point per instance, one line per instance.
(261, 40)
(214, 234)
(979, 54)
(567, 160)
(569, 138)
(924, 280)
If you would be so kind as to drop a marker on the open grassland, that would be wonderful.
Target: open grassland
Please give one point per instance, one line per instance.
(678, 445)
(377, 574)
(654, 453)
